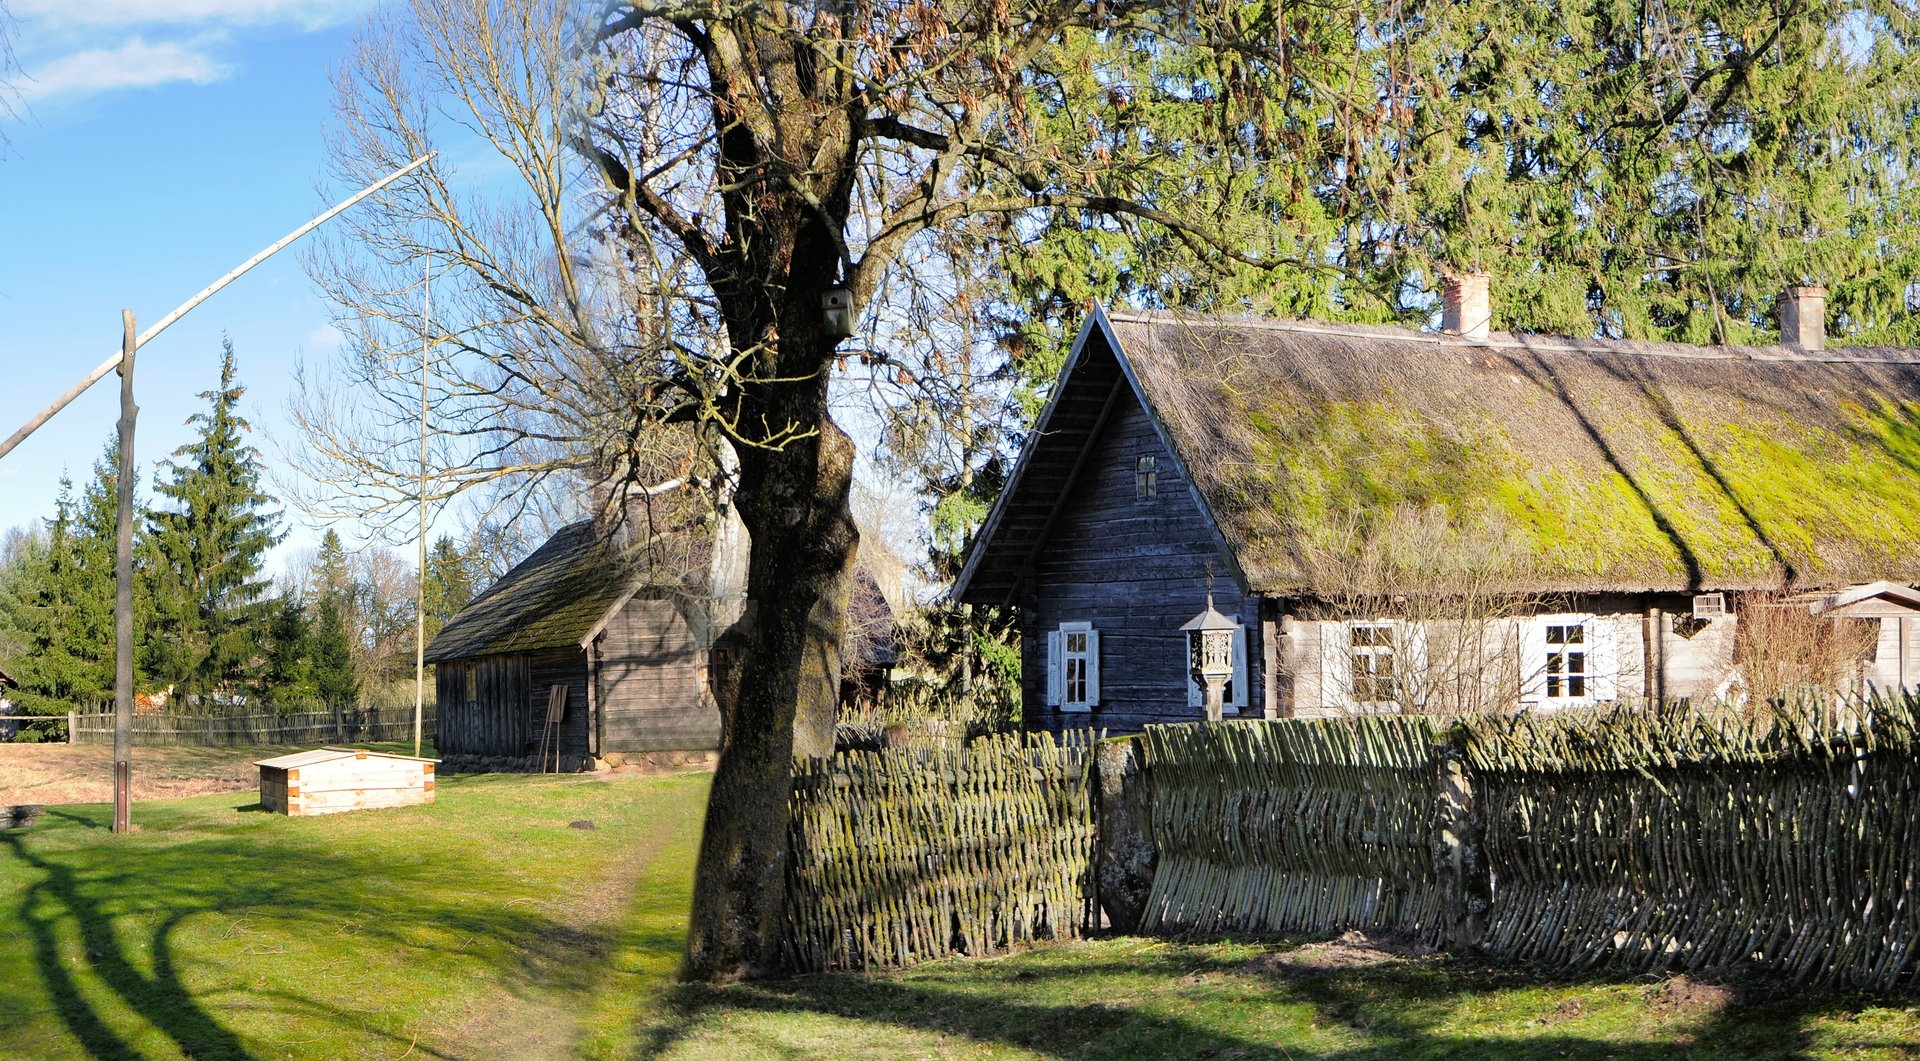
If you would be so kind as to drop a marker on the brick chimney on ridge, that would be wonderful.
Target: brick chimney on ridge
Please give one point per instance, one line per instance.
(1803, 317)
(1466, 310)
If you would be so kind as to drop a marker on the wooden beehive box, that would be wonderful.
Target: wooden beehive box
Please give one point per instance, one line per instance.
(329, 780)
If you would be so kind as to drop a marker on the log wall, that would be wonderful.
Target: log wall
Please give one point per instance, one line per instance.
(1136, 569)
(652, 682)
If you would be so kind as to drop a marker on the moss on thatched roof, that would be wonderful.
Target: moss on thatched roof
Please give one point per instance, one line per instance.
(1611, 465)
(552, 599)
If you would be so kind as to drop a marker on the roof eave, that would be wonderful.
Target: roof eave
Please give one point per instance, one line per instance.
(963, 583)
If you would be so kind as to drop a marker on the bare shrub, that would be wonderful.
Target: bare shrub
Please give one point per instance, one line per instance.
(1448, 595)
(1787, 653)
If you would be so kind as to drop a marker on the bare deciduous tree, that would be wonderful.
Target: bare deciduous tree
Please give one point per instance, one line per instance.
(541, 352)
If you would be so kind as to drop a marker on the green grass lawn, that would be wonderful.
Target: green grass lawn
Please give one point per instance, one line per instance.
(482, 926)
(479, 926)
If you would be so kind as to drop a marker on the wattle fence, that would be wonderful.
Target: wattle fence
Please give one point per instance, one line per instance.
(1627, 839)
(905, 854)
(362, 724)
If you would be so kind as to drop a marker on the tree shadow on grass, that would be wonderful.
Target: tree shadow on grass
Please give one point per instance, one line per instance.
(104, 925)
(1401, 1009)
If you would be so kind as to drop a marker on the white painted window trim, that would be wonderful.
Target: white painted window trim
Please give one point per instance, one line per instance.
(1057, 667)
(1406, 645)
(1602, 661)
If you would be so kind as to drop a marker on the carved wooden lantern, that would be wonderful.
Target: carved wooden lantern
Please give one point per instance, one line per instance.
(836, 312)
(1210, 651)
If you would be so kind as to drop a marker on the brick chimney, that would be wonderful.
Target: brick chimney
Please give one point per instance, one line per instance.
(1465, 308)
(1803, 317)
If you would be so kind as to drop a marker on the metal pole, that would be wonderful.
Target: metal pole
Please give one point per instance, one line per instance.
(167, 321)
(123, 597)
(420, 604)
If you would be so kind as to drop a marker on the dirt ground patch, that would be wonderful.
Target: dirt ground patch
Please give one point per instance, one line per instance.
(1685, 994)
(1351, 950)
(83, 773)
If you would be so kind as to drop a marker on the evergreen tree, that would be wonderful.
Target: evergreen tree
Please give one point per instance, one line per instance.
(59, 606)
(449, 584)
(332, 572)
(334, 678)
(288, 679)
(208, 544)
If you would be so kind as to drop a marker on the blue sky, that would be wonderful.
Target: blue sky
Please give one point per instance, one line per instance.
(159, 144)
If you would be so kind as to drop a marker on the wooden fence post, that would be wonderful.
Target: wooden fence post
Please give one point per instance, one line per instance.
(1124, 856)
(72, 718)
(1459, 858)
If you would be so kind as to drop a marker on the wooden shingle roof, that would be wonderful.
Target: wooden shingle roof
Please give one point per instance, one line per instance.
(1609, 465)
(552, 599)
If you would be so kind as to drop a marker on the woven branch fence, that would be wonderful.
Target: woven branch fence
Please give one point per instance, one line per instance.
(1631, 839)
(217, 731)
(1313, 826)
(904, 854)
(1701, 839)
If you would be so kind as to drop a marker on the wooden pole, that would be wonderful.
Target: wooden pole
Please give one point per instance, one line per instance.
(420, 604)
(165, 322)
(123, 595)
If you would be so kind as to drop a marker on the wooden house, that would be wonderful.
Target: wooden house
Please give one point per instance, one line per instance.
(1404, 520)
(576, 632)
(331, 780)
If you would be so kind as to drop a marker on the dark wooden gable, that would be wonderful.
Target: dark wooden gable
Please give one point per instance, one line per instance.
(1094, 385)
(1071, 541)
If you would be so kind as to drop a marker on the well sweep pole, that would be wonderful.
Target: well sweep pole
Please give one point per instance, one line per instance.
(123, 595)
(167, 321)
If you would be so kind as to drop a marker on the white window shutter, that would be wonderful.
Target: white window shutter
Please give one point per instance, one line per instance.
(1239, 701)
(1336, 667)
(1093, 667)
(1533, 660)
(1411, 642)
(1605, 662)
(1054, 646)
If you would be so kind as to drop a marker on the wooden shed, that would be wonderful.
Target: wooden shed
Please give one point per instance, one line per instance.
(330, 780)
(575, 634)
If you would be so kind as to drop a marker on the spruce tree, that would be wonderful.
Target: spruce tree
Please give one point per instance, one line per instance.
(334, 678)
(208, 540)
(449, 584)
(288, 680)
(60, 608)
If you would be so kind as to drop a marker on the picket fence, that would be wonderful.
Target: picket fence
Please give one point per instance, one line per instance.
(905, 854)
(354, 724)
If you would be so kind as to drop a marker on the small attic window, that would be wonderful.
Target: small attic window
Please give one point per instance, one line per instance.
(473, 683)
(1146, 484)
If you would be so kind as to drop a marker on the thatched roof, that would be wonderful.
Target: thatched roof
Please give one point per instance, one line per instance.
(1604, 465)
(552, 599)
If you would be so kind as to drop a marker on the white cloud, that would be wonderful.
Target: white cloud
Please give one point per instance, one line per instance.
(307, 14)
(135, 64)
(322, 340)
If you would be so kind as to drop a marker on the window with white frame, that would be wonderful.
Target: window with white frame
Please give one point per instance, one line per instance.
(1146, 479)
(1372, 666)
(1374, 675)
(1234, 697)
(1568, 661)
(1569, 668)
(1073, 667)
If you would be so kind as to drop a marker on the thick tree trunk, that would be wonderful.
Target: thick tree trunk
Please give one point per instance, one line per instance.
(794, 502)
